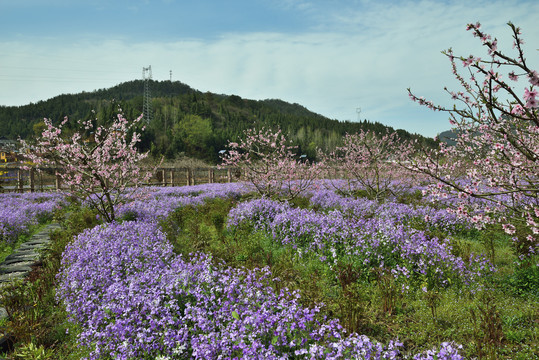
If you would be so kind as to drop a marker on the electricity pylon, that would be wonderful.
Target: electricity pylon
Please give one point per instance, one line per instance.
(147, 103)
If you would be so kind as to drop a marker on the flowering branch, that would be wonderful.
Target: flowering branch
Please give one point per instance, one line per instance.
(269, 164)
(368, 162)
(100, 168)
(493, 168)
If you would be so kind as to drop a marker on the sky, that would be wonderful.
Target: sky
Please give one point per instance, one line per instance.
(344, 59)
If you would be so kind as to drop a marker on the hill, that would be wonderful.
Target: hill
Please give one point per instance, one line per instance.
(449, 137)
(186, 121)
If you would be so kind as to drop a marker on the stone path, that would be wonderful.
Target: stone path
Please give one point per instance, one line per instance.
(19, 264)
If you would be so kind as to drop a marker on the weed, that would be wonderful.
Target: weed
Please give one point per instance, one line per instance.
(388, 290)
(487, 324)
(432, 299)
(300, 202)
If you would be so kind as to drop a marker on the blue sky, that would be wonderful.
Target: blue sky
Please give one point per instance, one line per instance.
(330, 56)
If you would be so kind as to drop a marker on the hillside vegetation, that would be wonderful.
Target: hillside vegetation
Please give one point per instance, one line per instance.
(188, 122)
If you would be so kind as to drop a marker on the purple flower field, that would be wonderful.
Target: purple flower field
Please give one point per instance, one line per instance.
(134, 298)
(20, 211)
(376, 235)
(157, 202)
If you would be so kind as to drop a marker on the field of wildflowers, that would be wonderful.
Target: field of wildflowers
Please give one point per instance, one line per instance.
(20, 211)
(376, 236)
(133, 297)
(214, 271)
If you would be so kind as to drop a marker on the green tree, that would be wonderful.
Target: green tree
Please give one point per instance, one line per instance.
(39, 127)
(195, 133)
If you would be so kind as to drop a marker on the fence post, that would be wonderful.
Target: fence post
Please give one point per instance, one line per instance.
(57, 182)
(20, 184)
(163, 177)
(32, 180)
(172, 177)
(37, 182)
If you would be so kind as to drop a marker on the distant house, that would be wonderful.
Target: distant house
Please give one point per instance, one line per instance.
(8, 156)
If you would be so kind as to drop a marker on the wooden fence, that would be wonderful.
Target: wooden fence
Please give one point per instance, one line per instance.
(15, 179)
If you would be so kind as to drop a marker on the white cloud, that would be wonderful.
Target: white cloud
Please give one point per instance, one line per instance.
(368, 59)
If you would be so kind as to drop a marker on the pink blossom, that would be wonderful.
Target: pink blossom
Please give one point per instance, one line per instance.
(482, 123)
(518, 42)
(468, 61)
(529, 97)
(532, 103)
(529, 94)
(99, 173)
(269, 164)
(518, 110)
(509, 229)
(533, 78)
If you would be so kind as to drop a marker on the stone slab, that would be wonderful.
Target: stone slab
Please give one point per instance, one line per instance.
(14, 269)
(12, 276)
(26, 252)
(19, 262)
(21, 257)
(45, 240)
(26, 246)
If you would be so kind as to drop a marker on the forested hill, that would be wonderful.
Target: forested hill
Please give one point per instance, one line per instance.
(186, 121)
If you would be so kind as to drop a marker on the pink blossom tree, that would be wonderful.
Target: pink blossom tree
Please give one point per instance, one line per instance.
(269, 164)
(497, 145)
(99, 165)
(370, 162)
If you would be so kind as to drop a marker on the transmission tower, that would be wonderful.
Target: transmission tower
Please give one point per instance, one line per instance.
(147, 103)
